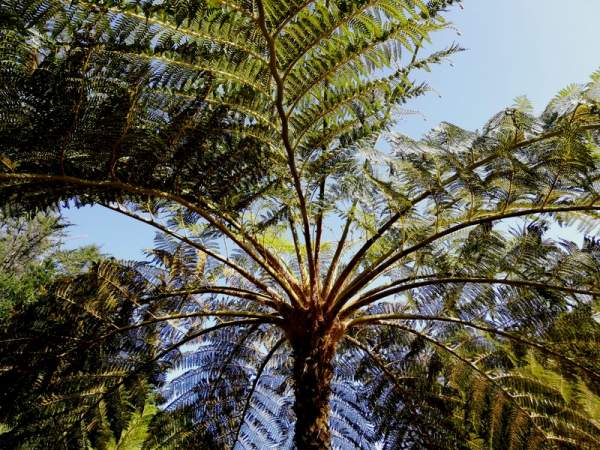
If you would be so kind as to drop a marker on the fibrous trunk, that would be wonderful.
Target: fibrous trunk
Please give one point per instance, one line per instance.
(313, 371)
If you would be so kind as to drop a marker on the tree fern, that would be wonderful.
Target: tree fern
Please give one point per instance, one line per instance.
(438, 312)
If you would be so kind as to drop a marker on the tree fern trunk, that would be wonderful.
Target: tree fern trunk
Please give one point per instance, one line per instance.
(313, 372)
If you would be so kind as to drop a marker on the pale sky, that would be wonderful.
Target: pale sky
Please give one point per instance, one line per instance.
(514, 47)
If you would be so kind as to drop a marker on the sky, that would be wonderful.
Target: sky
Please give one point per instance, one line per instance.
(513, 48)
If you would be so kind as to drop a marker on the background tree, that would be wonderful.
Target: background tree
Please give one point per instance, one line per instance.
(466, 326)
(32, 256)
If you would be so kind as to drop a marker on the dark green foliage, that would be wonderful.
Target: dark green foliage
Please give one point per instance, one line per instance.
(176, 97)
(443, 310)
(82, 104)
(63, 357)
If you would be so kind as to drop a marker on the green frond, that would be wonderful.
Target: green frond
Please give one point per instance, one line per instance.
(161, 79)
(523, 104)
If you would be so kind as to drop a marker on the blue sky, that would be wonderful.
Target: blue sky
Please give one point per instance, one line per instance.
(514, 47)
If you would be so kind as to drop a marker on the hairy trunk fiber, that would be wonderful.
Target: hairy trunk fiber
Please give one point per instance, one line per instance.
(314, 349)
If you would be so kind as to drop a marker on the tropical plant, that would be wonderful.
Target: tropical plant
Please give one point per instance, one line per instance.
(353, 295)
